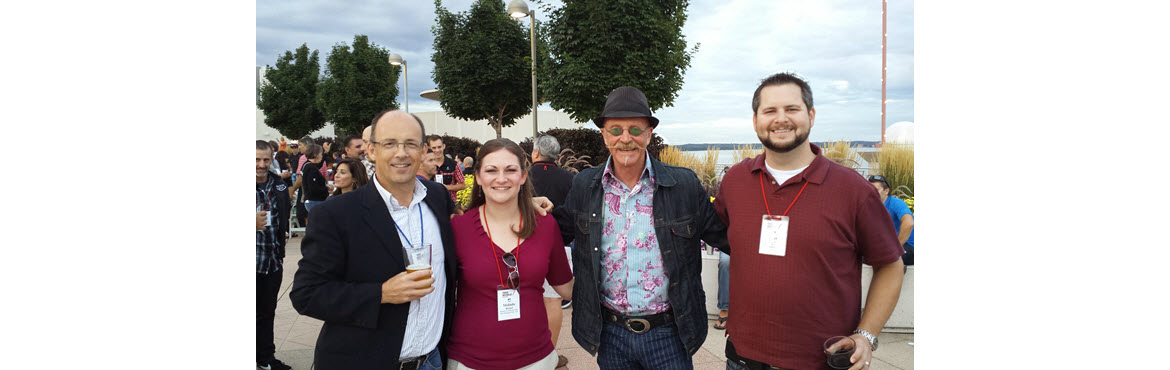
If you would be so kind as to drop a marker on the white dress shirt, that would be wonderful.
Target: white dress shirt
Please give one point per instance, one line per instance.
(424, 325)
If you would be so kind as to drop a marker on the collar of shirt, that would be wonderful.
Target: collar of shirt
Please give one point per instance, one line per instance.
(420, 192)
(814, 173)
(647, 171)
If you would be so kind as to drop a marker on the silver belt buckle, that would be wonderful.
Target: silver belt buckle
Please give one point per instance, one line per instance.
(645, 325)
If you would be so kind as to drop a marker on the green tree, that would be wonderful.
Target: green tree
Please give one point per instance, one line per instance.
(358, 83)
(288, 98)
(482, 64)
(597, 46)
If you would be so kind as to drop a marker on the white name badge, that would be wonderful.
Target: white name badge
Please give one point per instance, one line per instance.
(439, 178)
(774, 235)
(269, 220)
(508, 302)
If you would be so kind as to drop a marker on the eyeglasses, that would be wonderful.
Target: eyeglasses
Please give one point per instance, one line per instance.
(873, 178)
(513, 270)
(391, 145)
(634, 131)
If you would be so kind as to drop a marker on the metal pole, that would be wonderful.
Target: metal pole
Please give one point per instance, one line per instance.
(532, 38)
(883, 71)
(405, 86)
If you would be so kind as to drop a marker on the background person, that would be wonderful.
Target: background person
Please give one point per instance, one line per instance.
(312, 183)
(348, 176)
(724, 300)
(553, 182)
(452, 177)
(504, 246)
(900, 214)
(272, 207)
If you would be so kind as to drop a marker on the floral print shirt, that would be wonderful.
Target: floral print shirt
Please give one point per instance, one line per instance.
(633, 279)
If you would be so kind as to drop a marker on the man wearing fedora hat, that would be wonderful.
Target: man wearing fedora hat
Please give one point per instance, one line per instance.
(637, 223)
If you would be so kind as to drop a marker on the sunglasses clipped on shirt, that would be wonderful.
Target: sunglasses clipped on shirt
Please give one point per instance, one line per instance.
(513, 270)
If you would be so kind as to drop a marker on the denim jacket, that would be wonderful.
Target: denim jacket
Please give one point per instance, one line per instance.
(683, 214)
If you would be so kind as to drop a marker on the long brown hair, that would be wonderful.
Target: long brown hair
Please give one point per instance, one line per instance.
(357, 171)
(523, 199)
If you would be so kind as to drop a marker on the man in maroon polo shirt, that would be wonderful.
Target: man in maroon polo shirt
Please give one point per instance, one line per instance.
(799, 228)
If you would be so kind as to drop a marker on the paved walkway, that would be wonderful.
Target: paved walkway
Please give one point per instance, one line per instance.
(296, 335)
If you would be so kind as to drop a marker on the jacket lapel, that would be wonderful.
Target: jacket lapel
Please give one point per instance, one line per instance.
(378, 218)
(438, 206)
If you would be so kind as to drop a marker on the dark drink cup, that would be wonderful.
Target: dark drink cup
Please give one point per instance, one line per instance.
(838, 350)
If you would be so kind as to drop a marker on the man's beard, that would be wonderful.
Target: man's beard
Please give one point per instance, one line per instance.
(800, 138)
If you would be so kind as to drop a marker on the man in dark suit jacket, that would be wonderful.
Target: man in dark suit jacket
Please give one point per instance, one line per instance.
(353, 276)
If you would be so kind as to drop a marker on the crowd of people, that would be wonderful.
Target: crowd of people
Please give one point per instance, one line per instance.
(630, 230)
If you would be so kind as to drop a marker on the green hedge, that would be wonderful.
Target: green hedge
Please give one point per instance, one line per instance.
(458, 147)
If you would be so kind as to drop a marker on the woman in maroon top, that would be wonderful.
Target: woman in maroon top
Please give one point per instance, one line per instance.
(506, 251)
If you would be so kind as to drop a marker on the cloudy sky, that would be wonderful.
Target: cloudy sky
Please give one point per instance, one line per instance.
(834, 44)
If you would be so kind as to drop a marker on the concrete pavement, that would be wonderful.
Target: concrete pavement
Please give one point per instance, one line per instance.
(296, 335)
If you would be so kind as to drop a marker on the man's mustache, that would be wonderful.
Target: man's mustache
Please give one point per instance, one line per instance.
(629, 146)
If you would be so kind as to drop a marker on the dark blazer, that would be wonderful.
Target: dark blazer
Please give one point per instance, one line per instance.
(351, 247)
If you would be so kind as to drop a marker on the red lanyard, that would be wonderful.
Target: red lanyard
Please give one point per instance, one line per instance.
(766, 197)
(491, 245)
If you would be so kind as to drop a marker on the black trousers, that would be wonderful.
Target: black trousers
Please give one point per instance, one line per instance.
(908, 258)
(267, 287)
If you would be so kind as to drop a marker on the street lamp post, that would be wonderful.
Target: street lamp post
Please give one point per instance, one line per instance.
(519, 9)
(396, 59)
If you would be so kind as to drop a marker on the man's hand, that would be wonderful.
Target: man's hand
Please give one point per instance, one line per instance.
(861, 353)
(261, 219)
(285, 174)
(403, 288)
(543, 205)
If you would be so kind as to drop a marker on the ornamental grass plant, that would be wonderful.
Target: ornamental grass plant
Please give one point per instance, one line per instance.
(745, 151)
(841, 152)
(896, 163)
(704, 168)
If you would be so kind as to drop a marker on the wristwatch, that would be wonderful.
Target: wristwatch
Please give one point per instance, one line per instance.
(873, 340)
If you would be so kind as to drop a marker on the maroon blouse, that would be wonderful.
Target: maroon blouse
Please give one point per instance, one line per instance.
(478, 339)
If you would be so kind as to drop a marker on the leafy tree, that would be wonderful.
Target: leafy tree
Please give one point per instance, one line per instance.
(288, 98)
(482, 65)
(358, 83)
(597, 46)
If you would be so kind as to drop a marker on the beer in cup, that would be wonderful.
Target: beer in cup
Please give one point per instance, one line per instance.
(418, 259)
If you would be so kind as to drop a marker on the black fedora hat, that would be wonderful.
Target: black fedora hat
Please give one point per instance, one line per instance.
(624, 102)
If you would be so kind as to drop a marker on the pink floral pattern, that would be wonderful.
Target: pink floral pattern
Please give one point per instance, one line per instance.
(634, 281)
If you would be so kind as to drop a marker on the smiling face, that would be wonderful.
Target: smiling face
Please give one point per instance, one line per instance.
(500, 175)
(396, 164)
(263, 161)
(626, 149)
(782, 121)
(355, 149)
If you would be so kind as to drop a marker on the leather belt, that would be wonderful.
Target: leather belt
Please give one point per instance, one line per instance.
(745, 362)
(641, 324)
(412, 363)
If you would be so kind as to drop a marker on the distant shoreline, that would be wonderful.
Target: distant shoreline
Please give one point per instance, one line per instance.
(697, 147)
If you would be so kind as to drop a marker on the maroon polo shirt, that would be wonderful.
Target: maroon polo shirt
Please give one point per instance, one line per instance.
(784, 308)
